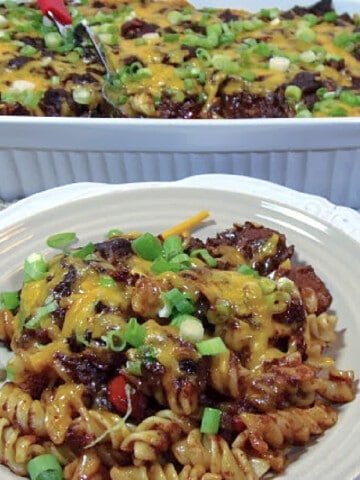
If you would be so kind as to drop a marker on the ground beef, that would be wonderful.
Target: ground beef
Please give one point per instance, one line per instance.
(247, 105)
(52, 102)
(249, 239)
(81, 79)
(293, 315)
(114, 250)
(307, 280)
(190, 108)
(14, 109)
(136, 28)
(18, 62)
(64, 288)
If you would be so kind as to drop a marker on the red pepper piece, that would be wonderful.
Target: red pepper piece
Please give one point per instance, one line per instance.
(118, 398)
(117, 393)
(57, 8)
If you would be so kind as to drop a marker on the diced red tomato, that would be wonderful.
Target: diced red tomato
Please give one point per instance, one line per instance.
(118, 398)
(117, 393)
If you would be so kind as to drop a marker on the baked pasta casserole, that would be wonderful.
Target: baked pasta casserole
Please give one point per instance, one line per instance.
(171, 60)
(165, 357)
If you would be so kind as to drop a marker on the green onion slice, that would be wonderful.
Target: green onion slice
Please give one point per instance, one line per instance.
(9, 300)
(212, 346)
(134, 367)
(10, 374)
(147, 246)
(41, 313)
(61, 240)
(160, 265)
(210, 421)
(114, 232)
(45, 466)
(172, 246)
(106, 281)
(134, 333)
(35, 267)
(114, 340)
(205, 255)
(83, 252)
(182, 317)
(191, 330)
(246, 270)
(179, 301)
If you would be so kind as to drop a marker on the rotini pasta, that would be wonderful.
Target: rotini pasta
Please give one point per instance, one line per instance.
(167, 357)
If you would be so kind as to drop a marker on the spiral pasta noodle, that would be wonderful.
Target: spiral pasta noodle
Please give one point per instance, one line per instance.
(145, 357)
(163, 472)
(21, 410)
(278, 430)
(214, 454)
(15, 449)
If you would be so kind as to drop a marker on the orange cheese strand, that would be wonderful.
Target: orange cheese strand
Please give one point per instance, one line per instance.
(186, 226)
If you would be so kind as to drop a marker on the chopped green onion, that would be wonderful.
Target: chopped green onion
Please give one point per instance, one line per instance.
(172, 246)
(35, 267)
(9, 300)
(304, 113)
(306, 34)
(246, 270)
(82, 95)
(181, 258)
(269, 13)
(338, 112)
(134, 333)
(350, 98)
(147, 246)
(140, 41)
(311, 19)
(10, 374)
(212, 346)
(293, 93)
(53, 40)
(134, 367)
(330, 17)
(248, 76)
(114, 232)
(41, 313)
(204, 56)
(28, 51)
(171, 37)
(179, 301)
(192, 330)
(210, 421)
(61, 240)
(205, 255)
(160, 265)
(45, 466)
(83, 252)
(175, 17)
(114, 340)
(189, 83)
(106, 281)
(177, 320)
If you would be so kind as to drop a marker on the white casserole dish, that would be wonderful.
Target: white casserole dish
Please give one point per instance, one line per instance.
(320, 156)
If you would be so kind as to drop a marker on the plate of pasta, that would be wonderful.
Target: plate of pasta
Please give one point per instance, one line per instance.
(196, 330)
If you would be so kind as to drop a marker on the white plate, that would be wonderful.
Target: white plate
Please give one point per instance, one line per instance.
(326, 236)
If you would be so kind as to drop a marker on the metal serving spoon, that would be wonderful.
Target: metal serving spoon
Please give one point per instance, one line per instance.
(58, 13)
